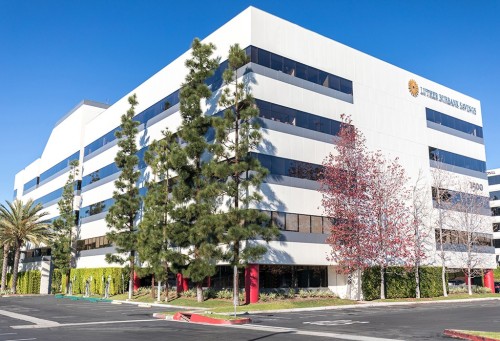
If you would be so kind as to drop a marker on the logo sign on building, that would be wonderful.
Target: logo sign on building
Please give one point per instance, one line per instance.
(415, 90)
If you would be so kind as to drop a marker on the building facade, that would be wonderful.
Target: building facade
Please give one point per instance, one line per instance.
(494, 188)
(303, 83)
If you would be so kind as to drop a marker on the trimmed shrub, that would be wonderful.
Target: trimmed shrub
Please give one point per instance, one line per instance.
(56, 285)
(28, 282)
(400, 283)
(79, 277)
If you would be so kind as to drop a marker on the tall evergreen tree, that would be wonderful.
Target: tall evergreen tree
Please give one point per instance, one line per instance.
(194, 194)
(123, 213)
(154, 244)
(61, 245)
(237, 133)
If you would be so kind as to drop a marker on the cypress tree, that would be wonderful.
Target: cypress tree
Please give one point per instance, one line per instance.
(237, 133)
(62, 244)
(123, 213)
(154, 244)
(195, 194)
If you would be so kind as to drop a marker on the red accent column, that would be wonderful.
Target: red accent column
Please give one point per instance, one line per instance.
(252, 283)
(185, 286)
(466, 280)
(209, 281)
(178, 283)
(489, 281)
(137, 281)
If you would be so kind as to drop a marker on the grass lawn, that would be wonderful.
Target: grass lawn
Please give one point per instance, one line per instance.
(493, 335)
(440, 298)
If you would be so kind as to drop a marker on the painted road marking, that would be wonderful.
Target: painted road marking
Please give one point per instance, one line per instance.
(33, 338)
(308, 333)
(37, 321)
(335, 322)
(39, 326)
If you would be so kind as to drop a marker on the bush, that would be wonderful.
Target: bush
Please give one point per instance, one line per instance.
(56, 285)
(118, 284)
(400, 283)
(28, 282)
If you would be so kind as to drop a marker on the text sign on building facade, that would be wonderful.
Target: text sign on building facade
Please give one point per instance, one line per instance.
(415, 90)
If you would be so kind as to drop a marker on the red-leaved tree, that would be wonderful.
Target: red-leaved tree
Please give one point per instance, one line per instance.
(343, 185)
(390, 241)
(367, 196)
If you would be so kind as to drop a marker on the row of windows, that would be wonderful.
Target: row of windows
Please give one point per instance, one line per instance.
(454, 123)
(495, 195)
(495, 211)
(51, 171)
(142, 117)
(111, 169)
(258, 56)
(496, 227)
(454, 197)
(460, 237)
(92, 243)
(494, 180)
(288, 167)
(37, 252)
(496, 243)
(297, 118)
(56, 194)
(299, 70)
(456, 160)
(303, 223)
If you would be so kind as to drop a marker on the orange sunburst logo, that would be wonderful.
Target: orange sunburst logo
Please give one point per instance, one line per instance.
(413, 87)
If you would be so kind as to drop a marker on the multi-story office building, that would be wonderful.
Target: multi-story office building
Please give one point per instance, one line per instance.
(303, 83)
(494, 188)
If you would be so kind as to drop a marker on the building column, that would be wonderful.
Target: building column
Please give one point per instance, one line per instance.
(252, 283)
(137, 281)
(178, 283)
(489, 281)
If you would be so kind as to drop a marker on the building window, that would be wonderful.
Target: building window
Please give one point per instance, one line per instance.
(453, 123)
(457, 160)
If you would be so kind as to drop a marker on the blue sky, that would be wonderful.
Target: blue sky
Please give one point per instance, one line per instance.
(53, 54)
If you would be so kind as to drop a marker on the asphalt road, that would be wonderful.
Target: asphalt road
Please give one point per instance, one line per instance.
(47, 318)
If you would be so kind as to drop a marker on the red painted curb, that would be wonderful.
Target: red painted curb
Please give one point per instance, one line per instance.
(464, 336)
(196, 318)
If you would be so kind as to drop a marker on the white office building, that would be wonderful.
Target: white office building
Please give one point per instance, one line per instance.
(303, 83)
(494, 188)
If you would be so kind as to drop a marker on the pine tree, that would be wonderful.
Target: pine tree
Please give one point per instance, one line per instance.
(194, 194)
(154, 244)
(237, 133)
(62, 244)
(123, 213)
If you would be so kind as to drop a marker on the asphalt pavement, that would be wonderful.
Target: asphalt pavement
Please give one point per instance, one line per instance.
(48, 318)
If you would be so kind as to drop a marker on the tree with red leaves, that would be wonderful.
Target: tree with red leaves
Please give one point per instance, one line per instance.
(366, 195)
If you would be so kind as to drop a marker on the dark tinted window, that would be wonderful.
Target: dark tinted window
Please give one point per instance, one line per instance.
(454, 123)
(494, 180)
(456, 160)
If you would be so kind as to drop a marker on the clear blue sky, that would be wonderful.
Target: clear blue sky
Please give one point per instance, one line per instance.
(53, 54)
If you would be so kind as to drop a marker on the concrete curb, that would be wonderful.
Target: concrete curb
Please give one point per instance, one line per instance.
(364, 305)
(201, 319)
(158, 305)
(459, 334)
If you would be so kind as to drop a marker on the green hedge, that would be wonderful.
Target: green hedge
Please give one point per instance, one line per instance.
(56, 284)
(79, 276)
(400, 283)
(496, 274)
(28, 282)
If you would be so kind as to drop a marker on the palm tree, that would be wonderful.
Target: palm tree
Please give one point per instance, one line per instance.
(23, 223)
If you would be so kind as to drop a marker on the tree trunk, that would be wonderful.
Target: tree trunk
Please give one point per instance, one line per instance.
(5, 266)
(443, 279)
(14, 271)
(358, 294)
(166, 284)
(469, 282)
(153, 287)
(199, 292)
(158, 299)
(382, 283)
(131, 277)
(67, 282)
(417, 281)
(236, 286)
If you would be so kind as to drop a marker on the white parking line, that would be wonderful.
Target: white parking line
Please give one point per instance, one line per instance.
(309, 333)
(39, 326)
(37, 321)
(33, 338)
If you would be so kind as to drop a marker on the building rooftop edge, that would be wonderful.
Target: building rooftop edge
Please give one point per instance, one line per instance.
(83, 102)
